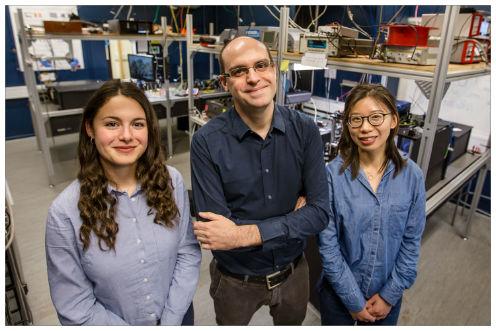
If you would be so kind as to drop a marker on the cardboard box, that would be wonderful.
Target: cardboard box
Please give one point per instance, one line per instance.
(62, 27)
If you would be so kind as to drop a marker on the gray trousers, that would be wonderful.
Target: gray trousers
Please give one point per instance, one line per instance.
(235, 300)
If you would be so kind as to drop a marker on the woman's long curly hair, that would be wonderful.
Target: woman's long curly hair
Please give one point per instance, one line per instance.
(96, 205)
(348, 149)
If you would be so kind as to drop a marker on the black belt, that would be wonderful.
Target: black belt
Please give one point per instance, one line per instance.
(272, 280)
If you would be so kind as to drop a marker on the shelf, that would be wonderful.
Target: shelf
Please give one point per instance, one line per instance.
(105, 36)
(59, 113)
(211, 95)
(215, 49)
(416, 72)
(202, 49)
(458, 173)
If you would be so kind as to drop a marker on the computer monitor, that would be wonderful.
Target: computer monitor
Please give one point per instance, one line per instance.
(141, 67)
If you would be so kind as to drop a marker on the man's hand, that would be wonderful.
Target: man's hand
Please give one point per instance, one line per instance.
(220, 233)
(378, 307)
(301, 202)
(363, 316)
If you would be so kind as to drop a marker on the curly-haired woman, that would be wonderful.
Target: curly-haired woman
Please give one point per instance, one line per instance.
(119, 242)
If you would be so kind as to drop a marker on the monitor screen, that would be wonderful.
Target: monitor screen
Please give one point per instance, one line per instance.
(141, 67)
(316, 44)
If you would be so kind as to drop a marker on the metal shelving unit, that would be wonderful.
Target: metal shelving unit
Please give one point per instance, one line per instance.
(436, 77)
(191, 50)
(40, 114)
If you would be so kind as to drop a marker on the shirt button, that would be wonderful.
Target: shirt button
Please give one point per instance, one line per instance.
(267, 170)
(138, 241)
(134, 220)
(152, 315)
(142, 261)
(147, 297)
(269, 197)
(145, 280)
(133, 199)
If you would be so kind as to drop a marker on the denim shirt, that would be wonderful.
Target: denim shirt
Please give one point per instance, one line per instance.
(372, 242)
(151, 276)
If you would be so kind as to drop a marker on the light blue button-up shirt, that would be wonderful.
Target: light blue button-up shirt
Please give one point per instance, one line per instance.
(372, 242)
(152, 274)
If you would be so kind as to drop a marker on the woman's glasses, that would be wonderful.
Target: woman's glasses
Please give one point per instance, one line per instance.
(376, 119)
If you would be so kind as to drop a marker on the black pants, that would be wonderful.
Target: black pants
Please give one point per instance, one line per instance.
(189, 317)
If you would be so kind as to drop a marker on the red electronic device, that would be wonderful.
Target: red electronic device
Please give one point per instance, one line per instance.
(407, 35)
(475, 24)
(465, 51)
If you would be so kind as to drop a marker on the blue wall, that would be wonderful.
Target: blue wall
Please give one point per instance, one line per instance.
(18, 120)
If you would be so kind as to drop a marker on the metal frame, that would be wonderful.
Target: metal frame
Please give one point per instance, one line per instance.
(437, 88)
(34, 99)
(191, 50)
(189, 64)
(39, 116)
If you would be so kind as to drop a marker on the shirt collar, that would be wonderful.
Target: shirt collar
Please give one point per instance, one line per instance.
(112, 189)
(240, 129)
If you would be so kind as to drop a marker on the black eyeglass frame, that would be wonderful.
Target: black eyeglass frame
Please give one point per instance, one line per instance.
(368, 119)
(247, 69)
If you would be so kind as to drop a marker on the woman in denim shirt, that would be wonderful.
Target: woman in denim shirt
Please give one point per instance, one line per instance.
(119, 242)
(371, 246)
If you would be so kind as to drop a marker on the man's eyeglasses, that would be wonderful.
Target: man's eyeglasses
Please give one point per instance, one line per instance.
(376, 119)
(238, 72)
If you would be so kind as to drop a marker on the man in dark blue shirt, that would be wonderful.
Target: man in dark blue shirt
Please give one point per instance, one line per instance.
(250, 168)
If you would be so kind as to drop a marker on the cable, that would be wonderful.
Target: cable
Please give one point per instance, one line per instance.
(174, 18)
(180, 45)
(350, 16)
(463, 25)
(396, 14)
(430, 19)
(297, 11)
(292, 23)
(129, 12)
(252, 15)
(156, 16)
(311, 16)
(371, 55)
(315, 110)
(319, 15)
(118, 12)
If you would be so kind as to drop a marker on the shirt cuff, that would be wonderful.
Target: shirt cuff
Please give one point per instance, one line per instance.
(354, 302)
(391, 293)
(271, 233)
(170, 318)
